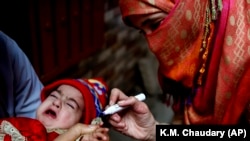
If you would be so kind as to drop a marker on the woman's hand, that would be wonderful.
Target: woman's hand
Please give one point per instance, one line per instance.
(136, 121)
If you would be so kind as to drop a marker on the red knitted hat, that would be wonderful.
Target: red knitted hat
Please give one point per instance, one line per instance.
(94, 92)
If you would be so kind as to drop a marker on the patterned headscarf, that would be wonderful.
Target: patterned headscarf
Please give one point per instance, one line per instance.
(204, 46)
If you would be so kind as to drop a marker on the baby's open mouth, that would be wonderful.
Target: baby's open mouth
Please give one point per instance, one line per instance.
(51, 113)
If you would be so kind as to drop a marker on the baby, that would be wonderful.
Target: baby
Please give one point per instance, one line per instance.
(68, 107)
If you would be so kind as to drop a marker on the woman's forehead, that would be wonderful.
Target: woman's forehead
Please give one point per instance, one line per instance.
(131, 7)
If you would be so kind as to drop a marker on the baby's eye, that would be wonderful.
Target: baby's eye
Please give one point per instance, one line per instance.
(53, 95)
(70, 105)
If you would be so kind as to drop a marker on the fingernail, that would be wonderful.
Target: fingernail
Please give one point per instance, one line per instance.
(121, 102)
(116, 118)
(111, 102)
(92, 126)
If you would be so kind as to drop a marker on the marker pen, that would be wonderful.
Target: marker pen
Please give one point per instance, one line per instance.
(116, 108)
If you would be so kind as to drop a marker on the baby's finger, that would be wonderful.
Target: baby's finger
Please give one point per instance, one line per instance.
(102, 130)
(101, 136)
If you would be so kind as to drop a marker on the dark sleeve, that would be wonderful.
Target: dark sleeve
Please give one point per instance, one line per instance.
(19, 84)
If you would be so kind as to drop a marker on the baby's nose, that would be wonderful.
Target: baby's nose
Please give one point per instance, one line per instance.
(57, 103)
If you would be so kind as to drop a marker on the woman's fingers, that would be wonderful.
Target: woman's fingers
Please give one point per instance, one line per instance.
(116, 95)
(115, 121)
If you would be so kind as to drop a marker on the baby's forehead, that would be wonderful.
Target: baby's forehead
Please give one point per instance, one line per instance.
(69, 90)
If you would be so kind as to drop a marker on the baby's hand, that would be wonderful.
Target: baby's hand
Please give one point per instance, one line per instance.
(97, 121)
(100, 134)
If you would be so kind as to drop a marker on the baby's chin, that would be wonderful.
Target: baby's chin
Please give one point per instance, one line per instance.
(48, 123)
(53, 126)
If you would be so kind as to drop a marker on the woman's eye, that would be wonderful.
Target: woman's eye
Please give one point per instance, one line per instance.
(154, 26)
(141, 32)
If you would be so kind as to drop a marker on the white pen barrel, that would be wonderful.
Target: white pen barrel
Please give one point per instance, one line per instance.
(116, 108)
(140, 97)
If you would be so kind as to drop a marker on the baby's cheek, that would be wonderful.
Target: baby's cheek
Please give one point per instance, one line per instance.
(71, 118)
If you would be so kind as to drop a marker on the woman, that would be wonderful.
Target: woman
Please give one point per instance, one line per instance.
(202, 48)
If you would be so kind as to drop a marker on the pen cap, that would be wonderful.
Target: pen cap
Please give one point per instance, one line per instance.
(140, 97)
